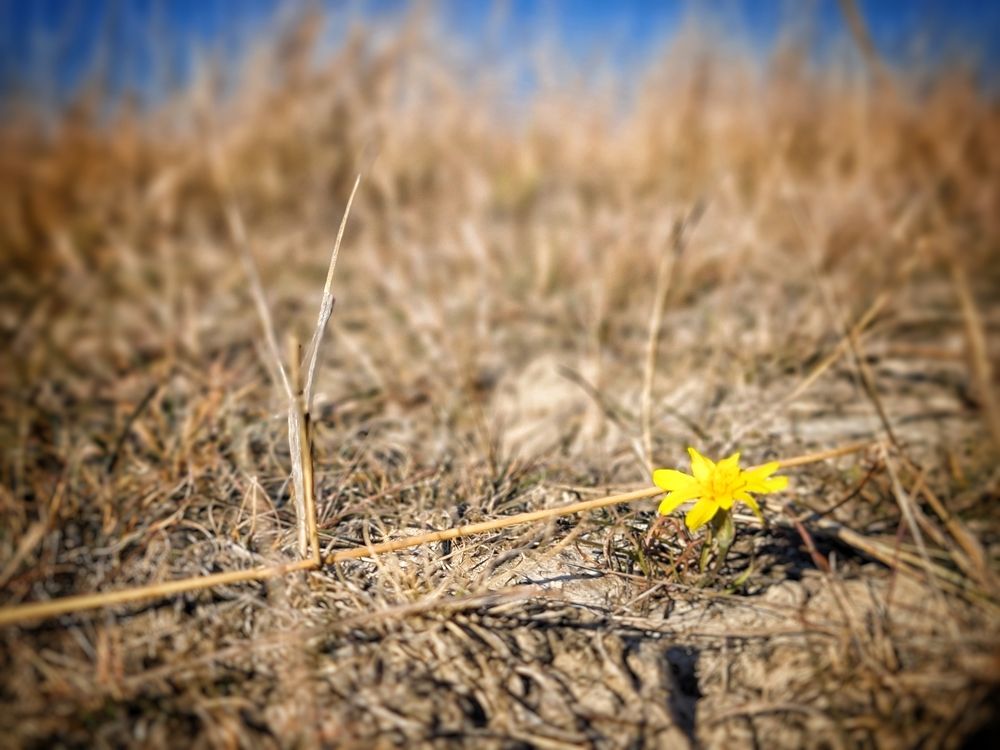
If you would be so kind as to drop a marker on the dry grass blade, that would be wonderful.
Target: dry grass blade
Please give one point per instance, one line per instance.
(906, 508)
(863, 38)
(326, 304)
(664, 276)
(913, 565)
(609, 410)
(846, 344)
(239, 234)
(82, 603)
(974, 562)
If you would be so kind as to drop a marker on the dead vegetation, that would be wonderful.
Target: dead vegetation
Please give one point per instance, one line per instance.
(539, 296)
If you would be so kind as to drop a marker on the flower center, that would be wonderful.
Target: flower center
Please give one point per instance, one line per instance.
(724, 483)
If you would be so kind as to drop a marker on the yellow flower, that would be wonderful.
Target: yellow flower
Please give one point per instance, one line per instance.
(715, 486)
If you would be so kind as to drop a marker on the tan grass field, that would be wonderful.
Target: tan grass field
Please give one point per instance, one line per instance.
(540, 298)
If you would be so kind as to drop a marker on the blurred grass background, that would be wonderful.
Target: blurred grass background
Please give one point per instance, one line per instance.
(573, 218)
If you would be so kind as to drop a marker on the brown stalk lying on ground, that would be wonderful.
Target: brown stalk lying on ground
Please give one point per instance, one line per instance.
(83, 602)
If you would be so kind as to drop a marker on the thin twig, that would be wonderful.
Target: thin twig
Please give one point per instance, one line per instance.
(484, 526)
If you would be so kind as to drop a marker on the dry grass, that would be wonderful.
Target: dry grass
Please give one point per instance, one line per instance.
(516, 328)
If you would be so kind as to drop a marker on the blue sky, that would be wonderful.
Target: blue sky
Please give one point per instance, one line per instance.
(51, 47)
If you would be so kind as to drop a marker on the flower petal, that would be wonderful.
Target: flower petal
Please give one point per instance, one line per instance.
(701, 467)
(746, 497)
(763, 471)
(669, 504)
(730, 462)
(671, 479)
(760, 479)
(763, 486)
(701, 513)
(675, 498)
(776, 484)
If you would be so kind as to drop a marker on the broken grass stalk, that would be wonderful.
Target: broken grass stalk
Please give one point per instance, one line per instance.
(298, 389)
